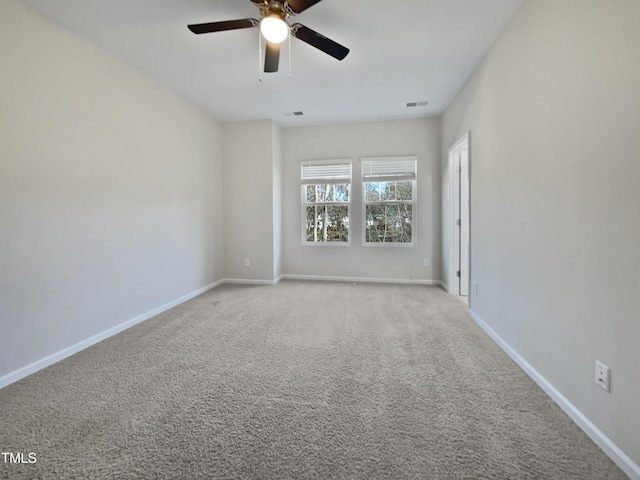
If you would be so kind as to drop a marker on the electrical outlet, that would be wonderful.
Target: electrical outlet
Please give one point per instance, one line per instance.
(474, 286)
(247, 262)
(427, 262)
(603, 376)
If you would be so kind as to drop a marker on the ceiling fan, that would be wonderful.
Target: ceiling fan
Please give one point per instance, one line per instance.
(275, 29)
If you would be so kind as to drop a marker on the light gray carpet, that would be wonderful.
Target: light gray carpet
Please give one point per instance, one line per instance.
(301, 380)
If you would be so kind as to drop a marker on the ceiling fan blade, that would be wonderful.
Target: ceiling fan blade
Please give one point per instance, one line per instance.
(298, 6)
(272, 57)
(199, 28)
(319, 41)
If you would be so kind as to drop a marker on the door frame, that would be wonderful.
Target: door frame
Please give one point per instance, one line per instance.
(456, 193)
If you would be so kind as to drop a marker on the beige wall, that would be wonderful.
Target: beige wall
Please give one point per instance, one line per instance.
(262, 209)
(249, 198)
(554, 115)
(419, 137)
(110, 192)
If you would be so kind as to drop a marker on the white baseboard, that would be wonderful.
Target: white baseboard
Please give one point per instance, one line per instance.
(360, 279)
(249, 281)
(67, 352)
(621, 459)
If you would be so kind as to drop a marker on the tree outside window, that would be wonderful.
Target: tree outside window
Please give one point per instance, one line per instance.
(326, 189)
(389, 200)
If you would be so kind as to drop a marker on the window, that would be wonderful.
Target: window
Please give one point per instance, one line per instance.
(389, 188)
(326, 201)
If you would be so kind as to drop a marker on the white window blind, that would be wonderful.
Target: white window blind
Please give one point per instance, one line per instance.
(335, 172)
(389, 169)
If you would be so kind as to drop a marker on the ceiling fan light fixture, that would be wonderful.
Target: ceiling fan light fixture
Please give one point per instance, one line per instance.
(274, 29)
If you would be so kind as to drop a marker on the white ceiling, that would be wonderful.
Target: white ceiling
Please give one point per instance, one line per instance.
(404, 51)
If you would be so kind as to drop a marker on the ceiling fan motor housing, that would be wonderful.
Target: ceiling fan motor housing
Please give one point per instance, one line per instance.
(273, 8)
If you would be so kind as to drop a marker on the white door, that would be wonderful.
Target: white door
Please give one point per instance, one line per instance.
(464, 221)
(459, 216)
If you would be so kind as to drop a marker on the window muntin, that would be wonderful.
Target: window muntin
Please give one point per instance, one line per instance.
(326, 201)
(389, 190)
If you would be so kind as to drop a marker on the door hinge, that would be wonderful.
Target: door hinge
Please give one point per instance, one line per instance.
(458, 273)
(458, 222)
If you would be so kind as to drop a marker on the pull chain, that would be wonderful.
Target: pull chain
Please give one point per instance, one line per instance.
(289, 53)
(259, 56)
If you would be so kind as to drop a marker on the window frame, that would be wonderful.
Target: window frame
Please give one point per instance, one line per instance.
(325, 180)
(410, 174)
